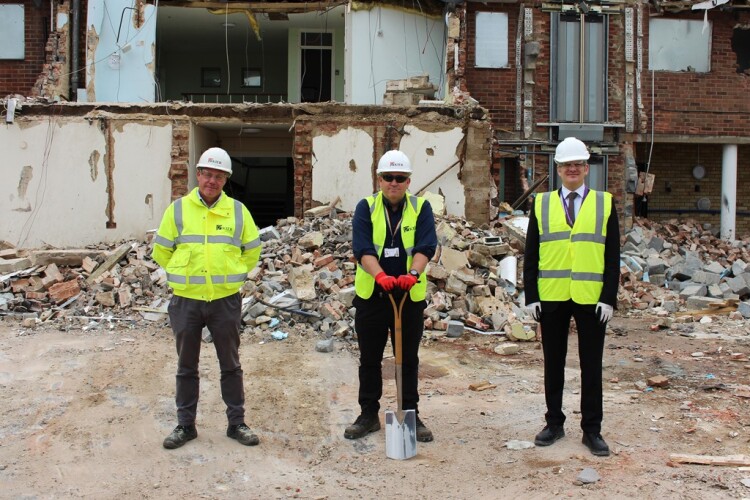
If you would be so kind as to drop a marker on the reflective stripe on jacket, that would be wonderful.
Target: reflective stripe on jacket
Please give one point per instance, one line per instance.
(571, 261)
(364, 283)
(206, 252)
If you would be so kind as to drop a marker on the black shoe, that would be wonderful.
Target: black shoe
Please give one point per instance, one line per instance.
(365, 424)
(180, 435)
(549, 435)
(424, 435)
(596, 444)
(242, 434)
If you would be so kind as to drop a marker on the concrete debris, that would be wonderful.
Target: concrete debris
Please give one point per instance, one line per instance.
(588, 476)
(678, 272)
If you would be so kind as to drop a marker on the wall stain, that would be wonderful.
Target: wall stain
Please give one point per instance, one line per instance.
(23, 185)
(23, 182)
(430, 152)
(352, 165)
(93, 162)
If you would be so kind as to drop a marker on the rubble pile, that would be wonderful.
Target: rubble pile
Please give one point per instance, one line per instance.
(306, 277)
(684, 266)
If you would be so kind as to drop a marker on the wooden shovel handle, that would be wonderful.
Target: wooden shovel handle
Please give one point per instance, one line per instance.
(397, 326)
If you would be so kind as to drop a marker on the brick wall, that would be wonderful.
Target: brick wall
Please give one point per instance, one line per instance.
(672, 165)
(713, 103)
(18, 76)
(45, 70)
(494, 88)
(178, 171)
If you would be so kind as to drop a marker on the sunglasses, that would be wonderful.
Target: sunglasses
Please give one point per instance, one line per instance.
(397, 178)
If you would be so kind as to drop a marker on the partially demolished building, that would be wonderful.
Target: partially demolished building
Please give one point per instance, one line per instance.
(109, 102)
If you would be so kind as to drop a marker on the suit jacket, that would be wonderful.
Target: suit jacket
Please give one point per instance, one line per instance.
(611, 260)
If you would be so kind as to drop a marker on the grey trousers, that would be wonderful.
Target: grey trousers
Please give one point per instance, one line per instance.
(222, 317)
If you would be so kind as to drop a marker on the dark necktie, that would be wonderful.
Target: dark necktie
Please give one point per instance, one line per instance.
(572, 207)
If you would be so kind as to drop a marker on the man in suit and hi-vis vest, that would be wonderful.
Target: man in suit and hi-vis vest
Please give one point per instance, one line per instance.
(572, 269)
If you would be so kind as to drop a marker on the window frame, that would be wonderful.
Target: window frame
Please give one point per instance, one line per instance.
(585, 106)
(485, 45)
(209, 77)
(246, 73)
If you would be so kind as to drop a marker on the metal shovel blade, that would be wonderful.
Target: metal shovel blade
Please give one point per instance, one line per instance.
(400, 434)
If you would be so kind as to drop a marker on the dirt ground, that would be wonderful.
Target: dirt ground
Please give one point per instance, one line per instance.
(85, 408)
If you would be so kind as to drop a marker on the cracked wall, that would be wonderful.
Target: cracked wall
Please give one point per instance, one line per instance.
(69, 179)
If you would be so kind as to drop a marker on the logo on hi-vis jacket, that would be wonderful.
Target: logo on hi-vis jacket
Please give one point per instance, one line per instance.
(223, 228)
(409, 228)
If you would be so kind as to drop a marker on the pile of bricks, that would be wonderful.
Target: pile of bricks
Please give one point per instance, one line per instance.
(408, 91)
(306, 273)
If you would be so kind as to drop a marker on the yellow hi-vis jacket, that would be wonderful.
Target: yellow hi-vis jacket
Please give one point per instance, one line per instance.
(571, 261)
(206, 252)
(364, 283)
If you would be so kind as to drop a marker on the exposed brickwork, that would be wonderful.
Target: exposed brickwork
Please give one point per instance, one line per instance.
(475, 171)
(672, 165)
(495, 89)
(45, 70)
(178, 171)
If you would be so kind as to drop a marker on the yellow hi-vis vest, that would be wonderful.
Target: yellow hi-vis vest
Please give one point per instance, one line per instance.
(571, 261)
(364, 283)
(206, 252)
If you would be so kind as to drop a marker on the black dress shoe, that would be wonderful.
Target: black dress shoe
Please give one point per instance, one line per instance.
(549, 435)
(596, 444)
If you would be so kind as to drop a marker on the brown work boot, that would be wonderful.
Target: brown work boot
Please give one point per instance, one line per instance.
(365, 424)
(424, 435)
(179, 436)
(242, 434)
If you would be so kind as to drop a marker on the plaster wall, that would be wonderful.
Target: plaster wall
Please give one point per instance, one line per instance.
(58, 182)
(388, 44)
(431, 152)
(119, 70)
(344, 165)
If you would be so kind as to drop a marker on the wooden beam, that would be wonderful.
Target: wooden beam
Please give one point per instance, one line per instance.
(736, 460)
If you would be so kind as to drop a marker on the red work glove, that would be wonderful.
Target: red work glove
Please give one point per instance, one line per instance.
(406, 281)
(386, 282)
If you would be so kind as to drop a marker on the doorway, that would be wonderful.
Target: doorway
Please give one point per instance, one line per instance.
(316, 61)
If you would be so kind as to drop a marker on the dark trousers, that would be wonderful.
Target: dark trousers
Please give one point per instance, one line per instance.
(555, 322)
(222, 317)
(373, 321)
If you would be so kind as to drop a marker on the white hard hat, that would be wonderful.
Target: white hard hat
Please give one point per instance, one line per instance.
(217, 159)
(571, 149)
(394, 161)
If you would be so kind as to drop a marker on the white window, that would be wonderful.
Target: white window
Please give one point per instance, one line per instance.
(11, 31)
(491, 44)
(679, 45)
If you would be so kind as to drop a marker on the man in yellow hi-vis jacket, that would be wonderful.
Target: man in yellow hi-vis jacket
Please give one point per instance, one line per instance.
(572, 269)
(207, 243)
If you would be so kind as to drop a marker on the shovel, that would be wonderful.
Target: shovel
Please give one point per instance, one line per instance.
(401, 425)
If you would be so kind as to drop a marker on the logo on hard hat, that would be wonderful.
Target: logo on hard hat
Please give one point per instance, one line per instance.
(396, 164)
(211, 160)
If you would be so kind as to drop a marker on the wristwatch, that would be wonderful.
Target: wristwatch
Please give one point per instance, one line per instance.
(414, 273)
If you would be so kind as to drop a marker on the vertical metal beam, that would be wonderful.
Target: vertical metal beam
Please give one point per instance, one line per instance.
(582, 70)
(75, 17)
(728, 191)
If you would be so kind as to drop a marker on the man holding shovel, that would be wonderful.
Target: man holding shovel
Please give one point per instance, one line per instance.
(572, 269)
(393, 240)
